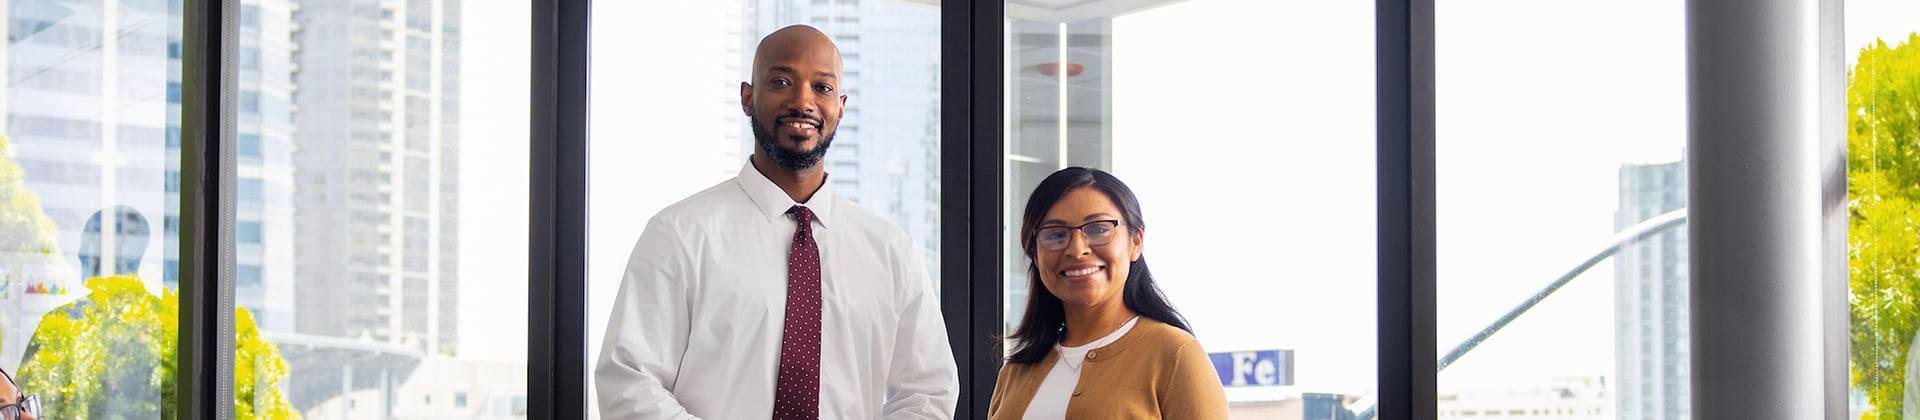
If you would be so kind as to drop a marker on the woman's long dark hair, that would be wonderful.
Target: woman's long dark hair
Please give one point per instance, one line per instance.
(1040, 328)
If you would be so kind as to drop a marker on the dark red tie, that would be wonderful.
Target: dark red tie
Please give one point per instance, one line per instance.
(797, 394)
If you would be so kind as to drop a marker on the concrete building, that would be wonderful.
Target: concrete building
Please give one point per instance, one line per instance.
(436, 388)
(377, 169)
(1293, 406)
(1585, 398)
(1650, 298)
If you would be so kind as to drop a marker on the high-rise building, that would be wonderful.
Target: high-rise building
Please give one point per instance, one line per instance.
(89, 121)
(84, 150)
(885, 154)
(377, 169)
(88, 118)
(1650, 298)
(263, 151)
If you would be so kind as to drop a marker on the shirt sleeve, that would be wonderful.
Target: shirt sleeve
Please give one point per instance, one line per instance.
(1193, 390)
(648, 332)
(922, 382)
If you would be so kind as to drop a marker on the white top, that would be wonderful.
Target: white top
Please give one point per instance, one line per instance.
(696, 329)
(1050, 401)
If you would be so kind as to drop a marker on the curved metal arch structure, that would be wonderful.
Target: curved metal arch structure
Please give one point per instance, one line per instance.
(1632, 234)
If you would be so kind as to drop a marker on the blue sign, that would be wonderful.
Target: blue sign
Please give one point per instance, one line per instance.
(1254, 368)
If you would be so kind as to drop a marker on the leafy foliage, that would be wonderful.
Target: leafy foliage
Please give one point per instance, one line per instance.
(27, 236)
(1883, 239)
(112, 355)
(24, 227)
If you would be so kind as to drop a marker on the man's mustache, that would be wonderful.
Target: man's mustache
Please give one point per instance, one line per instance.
(800, 115)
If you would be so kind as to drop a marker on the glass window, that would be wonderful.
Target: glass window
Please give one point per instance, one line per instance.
(1254, 169)
(377, 297)
(250, 102)
(247, 277)
(249, 58)
(247, 232)
(248, 146)
(1540, 171)
(249, 16)
(1881, 49)
(649, 153)
(86, 255)
(248, 189)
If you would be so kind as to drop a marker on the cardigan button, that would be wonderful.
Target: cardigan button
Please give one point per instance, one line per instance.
(1092, 355)
(1076, 393)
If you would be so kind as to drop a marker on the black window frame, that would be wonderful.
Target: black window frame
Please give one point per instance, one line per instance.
(971, 200)
(204, 370)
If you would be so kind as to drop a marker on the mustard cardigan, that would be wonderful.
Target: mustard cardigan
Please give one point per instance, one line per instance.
(1155, 371)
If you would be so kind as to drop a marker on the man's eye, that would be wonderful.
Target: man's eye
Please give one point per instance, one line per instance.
(781, 82)
(825, 89)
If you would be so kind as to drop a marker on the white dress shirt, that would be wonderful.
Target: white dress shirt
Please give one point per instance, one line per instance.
(696, 329)
(1050, 401)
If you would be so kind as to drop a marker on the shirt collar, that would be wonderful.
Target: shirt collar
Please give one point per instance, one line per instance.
(773, 202)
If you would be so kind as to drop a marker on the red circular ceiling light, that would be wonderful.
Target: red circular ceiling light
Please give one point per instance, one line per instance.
(1053, 69)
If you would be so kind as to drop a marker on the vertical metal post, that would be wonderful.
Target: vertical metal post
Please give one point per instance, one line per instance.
(557, 217)
(346, 391)
(1833, 204)
(386, 394)
(971, 49)
(1753, 89)
(1404, 81)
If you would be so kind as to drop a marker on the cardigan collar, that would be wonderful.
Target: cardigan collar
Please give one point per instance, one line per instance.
(1119, 346)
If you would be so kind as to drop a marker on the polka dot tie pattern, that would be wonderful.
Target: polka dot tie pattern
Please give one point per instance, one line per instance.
(797, 393)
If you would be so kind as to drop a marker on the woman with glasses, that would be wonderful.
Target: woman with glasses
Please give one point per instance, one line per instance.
(15, 405)
(1099, 340)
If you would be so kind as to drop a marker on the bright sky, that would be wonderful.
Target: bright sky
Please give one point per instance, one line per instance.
(1889, 20)
(1260, 216)
(1261, 206)
(493, 176)
(1538, 105)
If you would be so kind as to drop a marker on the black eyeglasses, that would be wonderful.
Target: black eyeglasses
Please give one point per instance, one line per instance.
(1098, 232)
(29, 405)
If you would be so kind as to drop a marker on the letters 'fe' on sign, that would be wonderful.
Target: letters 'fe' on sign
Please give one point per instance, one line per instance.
(1254, 368)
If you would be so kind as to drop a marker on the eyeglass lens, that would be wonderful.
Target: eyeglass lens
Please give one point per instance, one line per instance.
(1098, 233)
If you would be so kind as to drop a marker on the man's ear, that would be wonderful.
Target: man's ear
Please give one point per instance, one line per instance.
(746, 98)
(843, 101)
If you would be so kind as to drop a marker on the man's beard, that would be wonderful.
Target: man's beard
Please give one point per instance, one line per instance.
(788, 158)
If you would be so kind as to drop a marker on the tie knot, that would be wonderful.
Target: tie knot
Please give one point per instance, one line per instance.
(801, 212)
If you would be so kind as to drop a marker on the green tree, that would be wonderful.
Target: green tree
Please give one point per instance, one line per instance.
(24, 227)
(27, 236)
(1883, 239)
(112, 355)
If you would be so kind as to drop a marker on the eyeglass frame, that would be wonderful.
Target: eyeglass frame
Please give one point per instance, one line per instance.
(29, 404)
(1040, 244)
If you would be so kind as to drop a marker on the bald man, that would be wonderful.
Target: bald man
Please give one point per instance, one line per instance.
(769, 294)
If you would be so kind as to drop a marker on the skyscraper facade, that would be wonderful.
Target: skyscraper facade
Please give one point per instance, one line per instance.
(376, 170)
(1650, 298)
(87, 116)
(89, 106)
(85, 150)
(263, 149)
